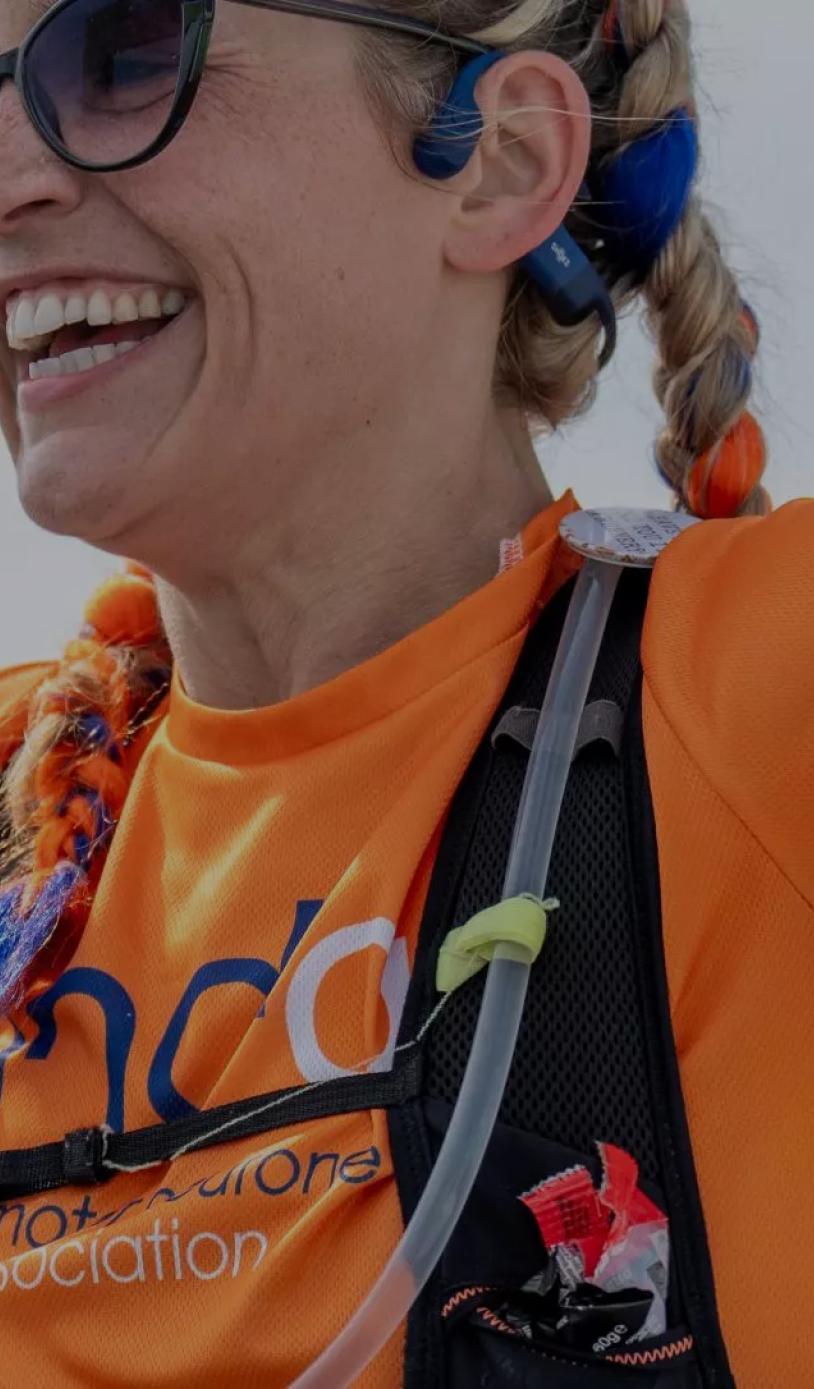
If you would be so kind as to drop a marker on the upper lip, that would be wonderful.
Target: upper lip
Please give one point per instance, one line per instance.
(46, 274)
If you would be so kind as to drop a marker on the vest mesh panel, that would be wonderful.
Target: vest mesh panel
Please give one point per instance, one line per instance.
(579, 1072)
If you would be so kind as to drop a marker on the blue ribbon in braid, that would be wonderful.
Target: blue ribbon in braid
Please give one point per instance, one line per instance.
(23, 934)
(104, 827)
(644, 191)
(94, 731)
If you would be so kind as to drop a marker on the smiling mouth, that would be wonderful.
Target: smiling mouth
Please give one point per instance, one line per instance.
(61, 331)
(81, 348)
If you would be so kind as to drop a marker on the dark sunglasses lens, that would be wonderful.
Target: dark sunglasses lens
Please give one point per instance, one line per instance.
(103, 75)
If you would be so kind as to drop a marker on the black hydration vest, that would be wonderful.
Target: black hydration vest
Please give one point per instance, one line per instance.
(595, 1059)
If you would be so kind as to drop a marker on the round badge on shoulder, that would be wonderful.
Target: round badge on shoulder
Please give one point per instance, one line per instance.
(618, 535)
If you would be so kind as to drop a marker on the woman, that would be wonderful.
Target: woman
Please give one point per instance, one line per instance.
(290, 376)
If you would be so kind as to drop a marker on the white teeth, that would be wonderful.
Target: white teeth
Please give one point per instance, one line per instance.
(50, 366)
(50, 315)
(31, 320)
(100, 309)
(24, 318)
(173, 302)
(125, 309)
(149, 305)
(76, 309)
(82, 359)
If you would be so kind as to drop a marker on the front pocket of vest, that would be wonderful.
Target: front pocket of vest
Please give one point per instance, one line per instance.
(495, 1248)
(484, 1351)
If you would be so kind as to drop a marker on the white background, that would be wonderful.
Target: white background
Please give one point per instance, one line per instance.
(755, 63)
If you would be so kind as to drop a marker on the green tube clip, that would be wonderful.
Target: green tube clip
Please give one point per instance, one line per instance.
(516, 928)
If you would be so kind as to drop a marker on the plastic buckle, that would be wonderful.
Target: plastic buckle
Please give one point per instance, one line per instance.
(517, 926)
(83, 1156)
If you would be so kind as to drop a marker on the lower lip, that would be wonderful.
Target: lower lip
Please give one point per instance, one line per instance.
(35, 396)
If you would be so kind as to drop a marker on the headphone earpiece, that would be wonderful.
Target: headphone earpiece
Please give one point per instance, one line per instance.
(447, 147)
(571, 286)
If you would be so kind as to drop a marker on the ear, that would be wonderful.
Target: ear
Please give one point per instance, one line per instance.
(529, 164)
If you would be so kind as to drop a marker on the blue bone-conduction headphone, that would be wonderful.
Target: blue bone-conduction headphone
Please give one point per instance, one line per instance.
(571, 286)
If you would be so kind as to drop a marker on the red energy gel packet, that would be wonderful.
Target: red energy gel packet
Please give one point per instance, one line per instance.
(571, 1213)
(568, 1211)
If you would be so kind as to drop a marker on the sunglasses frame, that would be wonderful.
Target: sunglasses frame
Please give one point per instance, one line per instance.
(198, 17)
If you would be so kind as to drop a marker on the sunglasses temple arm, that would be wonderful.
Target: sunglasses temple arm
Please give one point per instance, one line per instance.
(8, 65)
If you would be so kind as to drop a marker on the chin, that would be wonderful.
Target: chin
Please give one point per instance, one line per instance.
(71, 499)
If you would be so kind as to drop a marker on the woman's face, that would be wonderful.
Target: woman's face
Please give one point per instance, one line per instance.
(299, 243)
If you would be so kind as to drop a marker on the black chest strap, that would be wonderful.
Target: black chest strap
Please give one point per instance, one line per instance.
(94, 1155)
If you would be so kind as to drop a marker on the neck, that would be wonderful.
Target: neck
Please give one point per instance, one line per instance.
(289, 609)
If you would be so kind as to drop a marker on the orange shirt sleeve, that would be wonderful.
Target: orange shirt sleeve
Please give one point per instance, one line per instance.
(729, 731)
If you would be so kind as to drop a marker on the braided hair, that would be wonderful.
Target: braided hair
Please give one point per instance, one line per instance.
(635, 60)
(67, 765)
(65, 778)
(712, 451)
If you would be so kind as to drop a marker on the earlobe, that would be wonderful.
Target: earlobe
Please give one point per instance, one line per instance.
(529, 164)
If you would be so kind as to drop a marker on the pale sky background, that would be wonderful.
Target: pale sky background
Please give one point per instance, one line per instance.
(758, 176)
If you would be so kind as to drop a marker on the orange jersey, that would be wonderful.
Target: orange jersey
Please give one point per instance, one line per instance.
(255, 928)
(729, 735)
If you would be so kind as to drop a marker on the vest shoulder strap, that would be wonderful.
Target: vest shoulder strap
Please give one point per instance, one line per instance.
(595, 1058)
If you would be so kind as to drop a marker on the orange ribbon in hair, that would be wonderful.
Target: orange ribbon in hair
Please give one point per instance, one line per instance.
(749, 321)
(725, 476)
(612, 31)
(611, 27)
(80, 787)
(132, 566)
(124, 609)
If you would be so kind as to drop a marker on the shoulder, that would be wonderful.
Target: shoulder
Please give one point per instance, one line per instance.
(732, 610)
(726, 589)
(17, 684)
(728, 655)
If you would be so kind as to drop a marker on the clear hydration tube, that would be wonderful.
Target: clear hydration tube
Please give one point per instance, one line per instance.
(476, 1111)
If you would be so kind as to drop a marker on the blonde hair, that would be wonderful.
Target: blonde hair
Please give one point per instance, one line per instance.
(705, 336)
(70, 759)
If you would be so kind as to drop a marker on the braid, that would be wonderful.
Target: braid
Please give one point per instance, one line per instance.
(64, 785)
(634, 58)
(711, 453)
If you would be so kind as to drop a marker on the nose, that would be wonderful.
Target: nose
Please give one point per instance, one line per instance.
(34, 179)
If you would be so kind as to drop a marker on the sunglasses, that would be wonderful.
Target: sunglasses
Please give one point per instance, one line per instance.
(109, 83)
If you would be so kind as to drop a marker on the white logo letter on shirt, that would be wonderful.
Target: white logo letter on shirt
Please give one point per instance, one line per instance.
(300, 1004)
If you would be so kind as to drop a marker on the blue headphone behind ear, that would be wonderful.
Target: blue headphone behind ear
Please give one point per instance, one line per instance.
(450, 142)
(571, 286)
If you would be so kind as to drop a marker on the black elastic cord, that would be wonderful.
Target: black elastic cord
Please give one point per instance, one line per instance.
(91, 1156)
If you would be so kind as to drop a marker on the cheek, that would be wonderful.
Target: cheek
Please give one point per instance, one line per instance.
(310, 242)
(339, 250)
